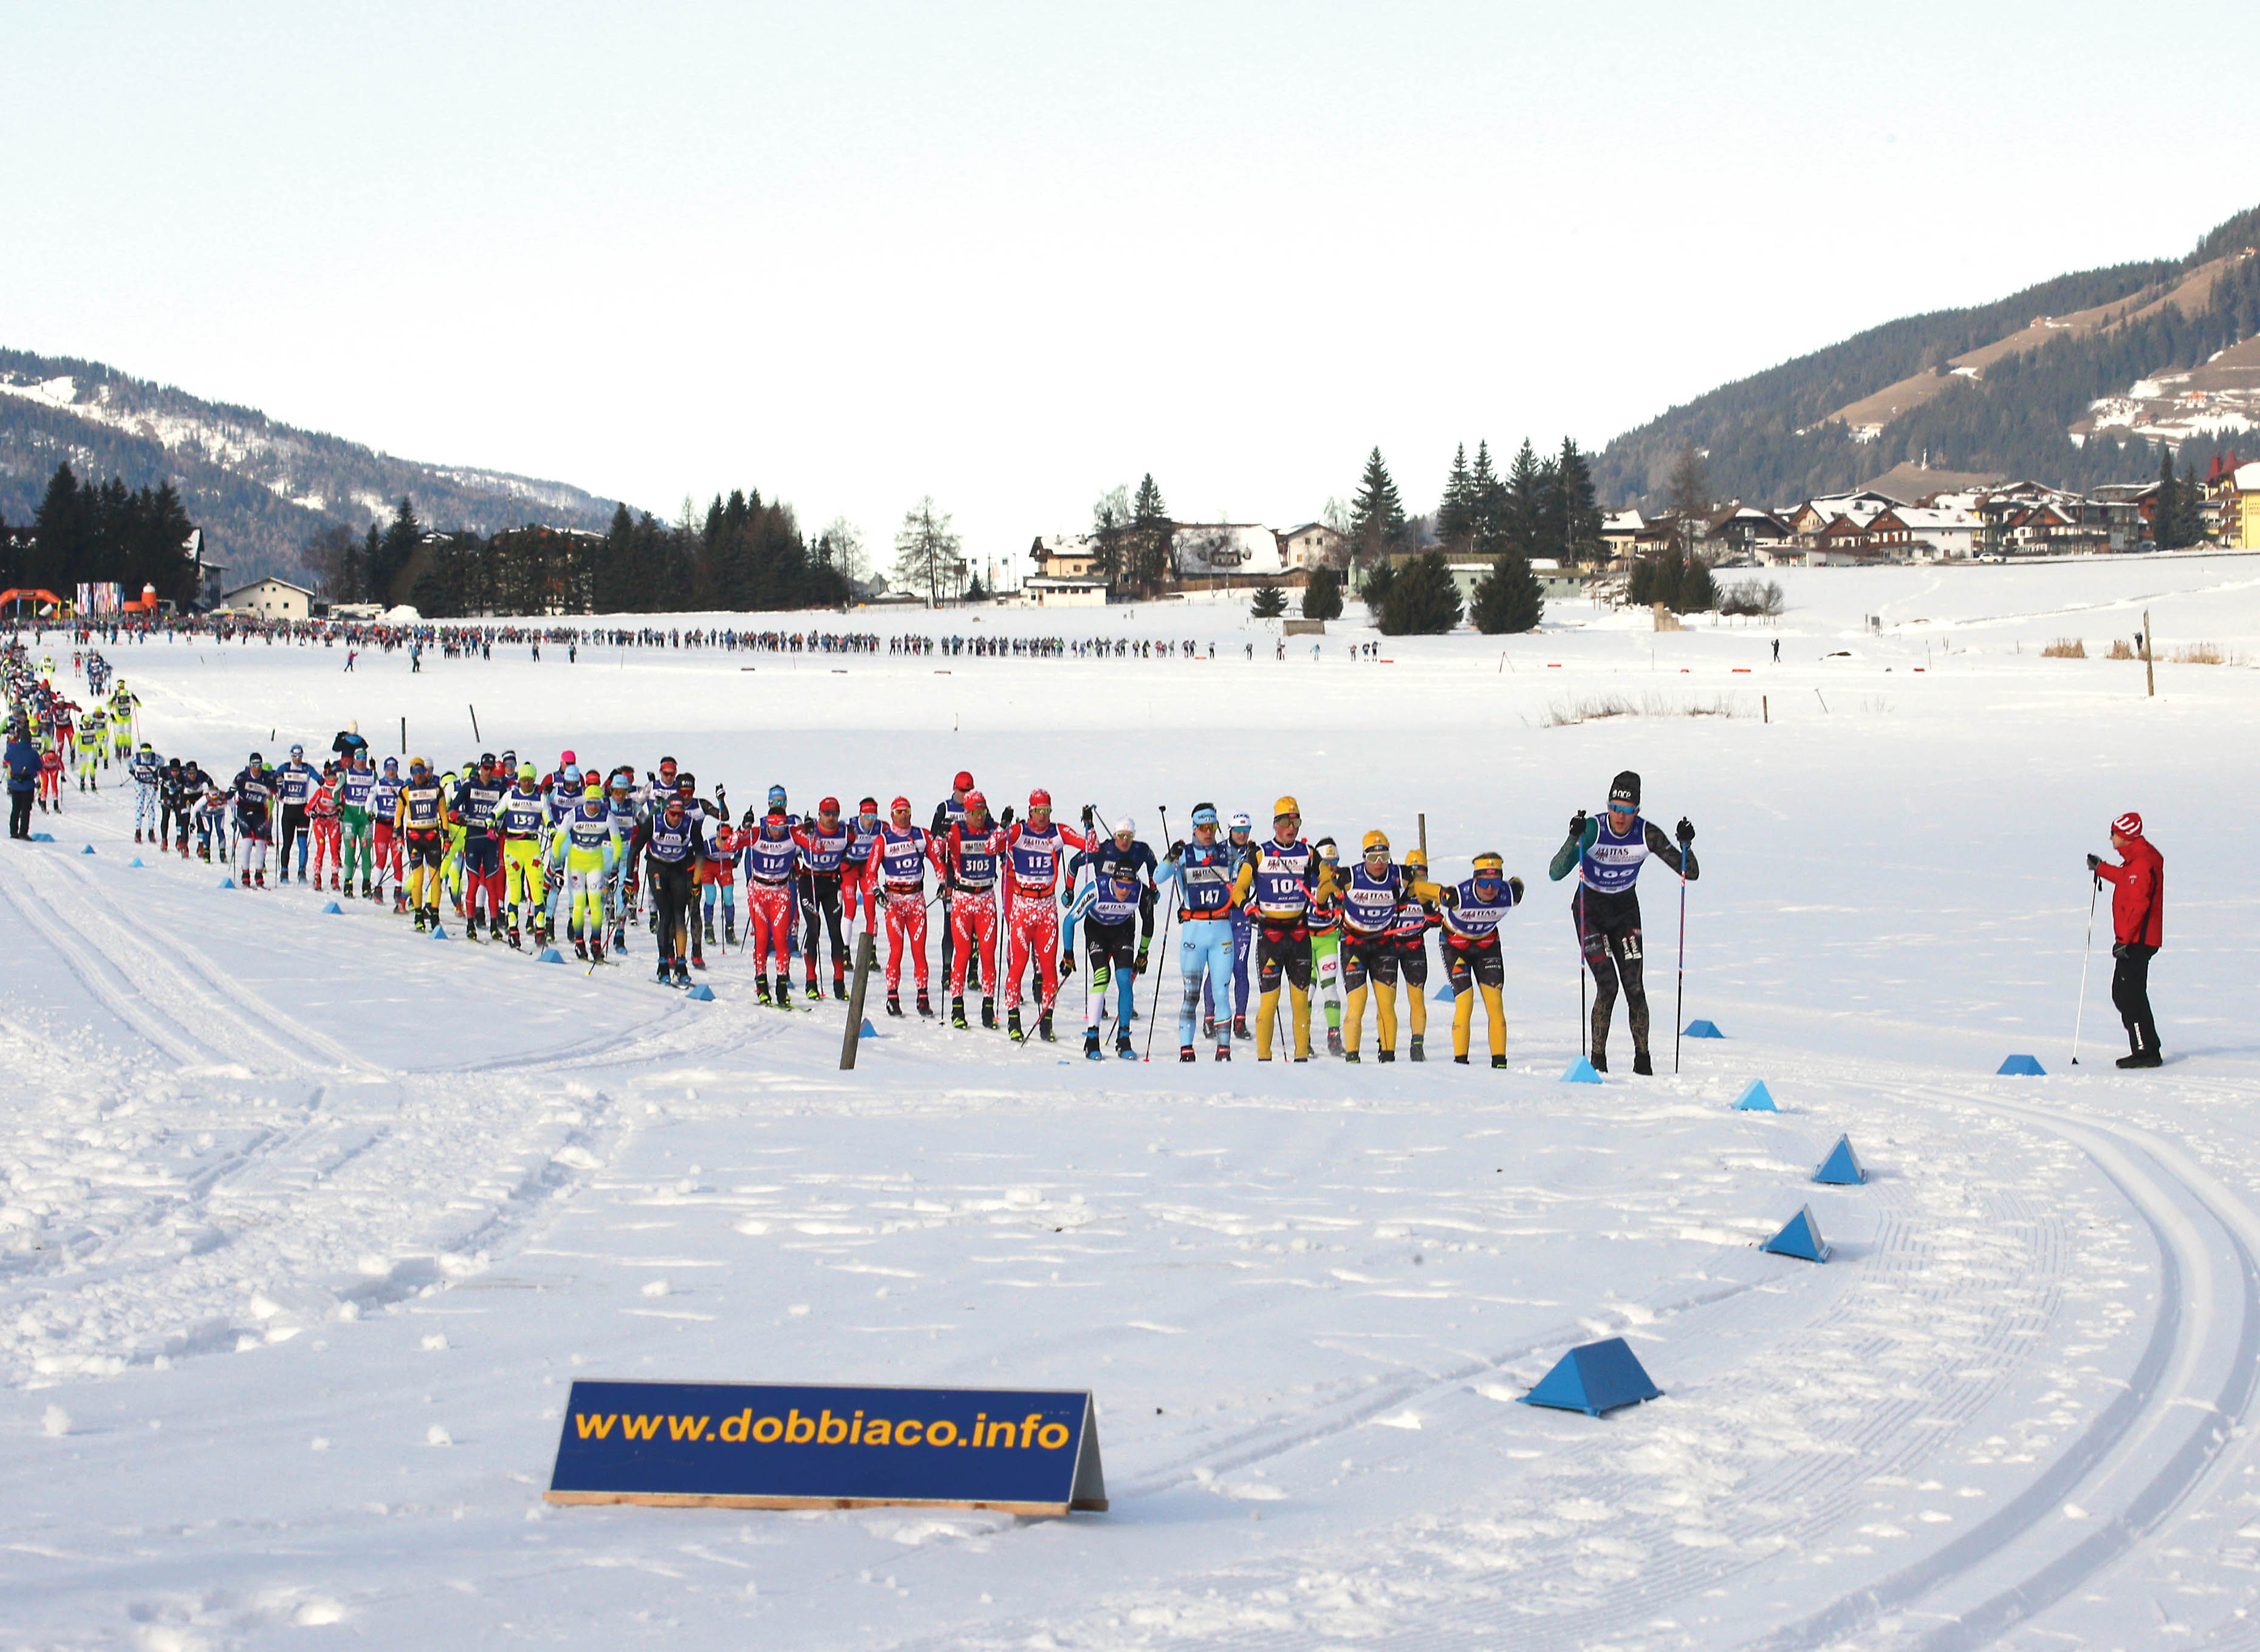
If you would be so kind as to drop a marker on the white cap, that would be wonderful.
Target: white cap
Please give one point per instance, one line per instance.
(1127, 823)
(1241, 823)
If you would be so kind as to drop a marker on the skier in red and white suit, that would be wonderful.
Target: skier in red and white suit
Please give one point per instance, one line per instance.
(970, 852)
(1033, 848)
(772, 857)
(894, 886)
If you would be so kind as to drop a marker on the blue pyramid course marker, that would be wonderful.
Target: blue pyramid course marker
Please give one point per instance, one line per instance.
(1756, 1098)
(2022, 1067)
(43, 837)
(1443, 994)
(88, 850)
(703, 993)
(227, 883)
(438, 934)
(1581, 1071)
(549, 955)
(136, 861)
(331, 909)
(1800, 1236)
(1841, 1168)
(867, 1030)
(1596, 1378)
(1704, 1029)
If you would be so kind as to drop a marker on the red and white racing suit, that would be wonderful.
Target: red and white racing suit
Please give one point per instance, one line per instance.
(771, 908)
(894, 884)
(1031, 910)
(970, 860)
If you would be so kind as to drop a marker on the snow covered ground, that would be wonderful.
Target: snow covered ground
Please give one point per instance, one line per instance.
(308, 1221)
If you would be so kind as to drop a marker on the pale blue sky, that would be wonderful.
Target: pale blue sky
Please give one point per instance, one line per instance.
(1012, 255)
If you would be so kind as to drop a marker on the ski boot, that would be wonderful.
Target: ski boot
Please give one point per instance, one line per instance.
(1384, 1056)
(1185, 1053)
(471, 927)
(367, 892)
(710, 931)
(697, 959)
(1208, 1026)
(761, 988)
(957, 1015)
(1240, 1028)
(1224, 1052)
(1044, 1026)
(1417, 1053)
(1498, 1064)
(665, 980)
(260, 878)
(1122, 1048)
(895, 1004)
(925, 1004)
(2142, 1059)
(1462, 1060)
(337, 886)
(619, 938)
(682, 974)
(839, 986)
(1600, 1058)
(1334, 1041)
(1352, 1057)
(729, 929)
(422, 923)
(1640, 1063)
(137, 834)
(1090, 1050)
(596, 947)
(516, 942)
(1012, 1025)
(989, 1015)
(400, 900)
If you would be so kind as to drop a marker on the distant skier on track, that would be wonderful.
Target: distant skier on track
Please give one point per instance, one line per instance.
(2138, 919)
(1606, 853)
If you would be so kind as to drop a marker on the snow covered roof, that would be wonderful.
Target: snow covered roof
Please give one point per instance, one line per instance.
(2247, 479)
(1225, 547)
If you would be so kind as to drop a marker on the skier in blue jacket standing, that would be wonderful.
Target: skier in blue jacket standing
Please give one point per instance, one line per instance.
(1204, 870)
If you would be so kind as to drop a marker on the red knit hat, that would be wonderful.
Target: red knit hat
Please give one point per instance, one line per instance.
(2128, 824)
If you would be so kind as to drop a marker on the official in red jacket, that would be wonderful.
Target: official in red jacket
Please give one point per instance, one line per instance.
(2138, 918)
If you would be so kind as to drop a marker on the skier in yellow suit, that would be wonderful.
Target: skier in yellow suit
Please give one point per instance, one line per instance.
(1281, 878)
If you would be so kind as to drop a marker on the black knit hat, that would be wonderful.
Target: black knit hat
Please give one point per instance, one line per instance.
(1625, 789)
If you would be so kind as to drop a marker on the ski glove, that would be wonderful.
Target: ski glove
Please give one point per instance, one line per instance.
(1577, 824)
(1685, 831)
(1067, 964)
(1005, 819)
(1514, 884)
(1141, 960)
(1177, 850)
(2094, 862)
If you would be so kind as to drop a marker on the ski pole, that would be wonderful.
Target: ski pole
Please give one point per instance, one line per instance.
(2085, 951)
(1679, 998)
(1578, 903)
(1154, 1016)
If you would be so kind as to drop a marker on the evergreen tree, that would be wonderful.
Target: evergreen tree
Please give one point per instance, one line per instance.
(2166, 513)
(1270, 601)
(1508, 598)
(2192, 508)
(1526, 488)
(1488, 505)
(389, 563)
(1375, 591)
(1150, 536)
(62, 533)
(1577, 508)
(1423, 601)
(1455, 513)
(1322, 597)
(1376, 514)
(1698, 593)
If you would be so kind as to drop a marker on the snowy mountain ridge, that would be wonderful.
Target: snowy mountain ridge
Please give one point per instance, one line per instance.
(260, 488)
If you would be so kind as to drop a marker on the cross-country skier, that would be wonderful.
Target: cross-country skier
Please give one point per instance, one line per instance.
(1472, 911)
(2138, 919)
(972, 855)
(1326, 949)
(421, 821)
(384, 827)
(294, 784)
(211, 812)
(1203, 869)
(322, 824)
(519, 818)
(173, 784)
(772, 874)
(144, 769)
(1122, 893)
(823, 858)
(674, 839)
(1410, 936)
(1607, 853)
(948, 812)
(862, 833)
(254, 795)
(1033, 850)
(1279, 882)
(1244, 933)
(895, 887)
(356, 786)
(474, 807)
(589, 847)
(1372, 897)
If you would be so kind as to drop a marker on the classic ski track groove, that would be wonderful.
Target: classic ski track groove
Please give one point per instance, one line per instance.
(156, 1028)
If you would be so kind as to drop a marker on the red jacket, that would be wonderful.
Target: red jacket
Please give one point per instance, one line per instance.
(2138, 893)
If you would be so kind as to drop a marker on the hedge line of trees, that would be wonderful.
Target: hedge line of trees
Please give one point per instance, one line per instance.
(87, 532)
(746, 555)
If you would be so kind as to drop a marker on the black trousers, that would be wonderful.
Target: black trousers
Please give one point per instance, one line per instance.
(20, 814)
(819, 905)
(674, 884)
(2130, 991)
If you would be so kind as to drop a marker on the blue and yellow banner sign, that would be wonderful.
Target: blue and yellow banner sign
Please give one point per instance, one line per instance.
(766, 1445)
